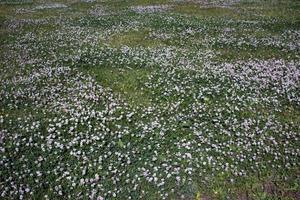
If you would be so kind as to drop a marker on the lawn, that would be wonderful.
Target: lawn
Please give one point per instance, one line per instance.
(138, 99)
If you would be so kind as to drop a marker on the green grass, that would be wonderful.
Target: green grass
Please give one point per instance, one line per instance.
(198, 11)
(127, 82)
(134, 38)
(230, 53)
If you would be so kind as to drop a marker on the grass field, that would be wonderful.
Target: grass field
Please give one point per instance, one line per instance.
(140, 99)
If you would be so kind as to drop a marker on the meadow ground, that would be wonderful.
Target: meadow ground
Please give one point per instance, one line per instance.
(139, 99)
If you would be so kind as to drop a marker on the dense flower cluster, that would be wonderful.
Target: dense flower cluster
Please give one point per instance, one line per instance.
(214, 3)
(278, 76)
(50, 6)
(150, 9)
